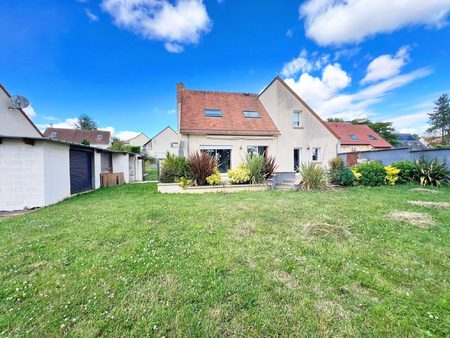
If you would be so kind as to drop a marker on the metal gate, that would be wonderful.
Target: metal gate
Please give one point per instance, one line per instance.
(80, 171)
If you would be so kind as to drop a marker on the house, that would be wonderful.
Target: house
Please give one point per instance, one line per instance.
(410, 141)
(165, 141)
(357, 137)
(36, 171)
(139, 140)
(96, 138)
(275, 122)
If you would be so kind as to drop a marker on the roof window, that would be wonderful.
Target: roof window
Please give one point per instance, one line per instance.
(353, 137)
(251, 114)
(213, 113)
(100, 136)
(53, 134)
(373, 138)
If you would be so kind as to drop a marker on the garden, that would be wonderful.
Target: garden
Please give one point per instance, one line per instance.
(128, 261)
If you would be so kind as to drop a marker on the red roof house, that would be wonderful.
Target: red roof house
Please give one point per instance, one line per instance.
(357, 137)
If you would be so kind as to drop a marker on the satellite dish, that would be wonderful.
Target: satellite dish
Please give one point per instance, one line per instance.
(18, 102)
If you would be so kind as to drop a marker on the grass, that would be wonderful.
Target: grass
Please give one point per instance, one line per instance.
(127, 261)
(151, 174)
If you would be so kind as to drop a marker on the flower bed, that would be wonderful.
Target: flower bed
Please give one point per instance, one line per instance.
(175, 188)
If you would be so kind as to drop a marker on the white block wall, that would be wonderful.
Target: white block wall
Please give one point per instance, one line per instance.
(56, 172)
(121, 165)
(97, 169)
(21, 175)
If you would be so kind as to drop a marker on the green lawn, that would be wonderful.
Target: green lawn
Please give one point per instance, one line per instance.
(151, 174)
(127, 261)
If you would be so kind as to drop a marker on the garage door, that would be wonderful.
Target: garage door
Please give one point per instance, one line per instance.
(80, 171)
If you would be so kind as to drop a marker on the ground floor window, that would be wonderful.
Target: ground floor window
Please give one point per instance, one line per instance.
(261, 150)
(224, 156)
(315, 154)
(297, 158)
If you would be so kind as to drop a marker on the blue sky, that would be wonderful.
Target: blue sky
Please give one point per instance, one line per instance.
(119, 60)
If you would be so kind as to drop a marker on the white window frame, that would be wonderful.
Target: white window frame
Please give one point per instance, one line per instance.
(297, 124)
(318, 154)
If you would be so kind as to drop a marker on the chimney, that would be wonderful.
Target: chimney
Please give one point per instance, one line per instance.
(180, 88)
(51, 125)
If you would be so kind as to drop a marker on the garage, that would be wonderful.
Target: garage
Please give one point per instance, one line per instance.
(80, 170)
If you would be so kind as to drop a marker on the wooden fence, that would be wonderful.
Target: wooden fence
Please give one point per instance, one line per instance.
(111, 179)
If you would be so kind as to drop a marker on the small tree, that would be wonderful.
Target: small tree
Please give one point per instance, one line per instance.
(335, 119)
(439, 119)
(117, 144)
(85, 142)
(85, 122)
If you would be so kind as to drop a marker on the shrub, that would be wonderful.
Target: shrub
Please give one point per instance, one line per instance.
(372, 173)
(201, 165)
(215, 178)
(336, 165)
(431, 172)
(313, 176)
(345, 177)
(240, 175)
(184, 182)
(406, 171)
(269, 167)
(391, 175)
(256, 164)
(173, 168)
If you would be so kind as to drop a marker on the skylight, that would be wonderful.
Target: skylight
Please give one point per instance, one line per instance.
(353, 137)
(373, 138)
(53, 134)
(213, 113)
(251, 114)
(99, 136)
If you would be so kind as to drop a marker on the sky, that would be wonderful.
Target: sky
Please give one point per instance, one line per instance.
(119, 60)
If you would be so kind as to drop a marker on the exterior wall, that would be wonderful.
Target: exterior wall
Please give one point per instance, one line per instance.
(101, 146)
(121, 165)
(139, 172)
(97, 168)
(13, 123)
(56, 172)
(280, 103)
(237, 144)
(394, 155)
(139, 140)
(161, 144)
(21, 175)
(353, 148)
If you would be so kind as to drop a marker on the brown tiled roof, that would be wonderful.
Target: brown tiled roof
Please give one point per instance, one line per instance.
(361, 131)
(193, 120)
(77, 135)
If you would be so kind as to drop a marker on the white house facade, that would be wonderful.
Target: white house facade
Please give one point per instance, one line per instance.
(167, 140)
(276, 122)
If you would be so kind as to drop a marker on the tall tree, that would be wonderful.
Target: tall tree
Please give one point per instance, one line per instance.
(385, 129)
(439, 119)
(85, 122)
(117, 144)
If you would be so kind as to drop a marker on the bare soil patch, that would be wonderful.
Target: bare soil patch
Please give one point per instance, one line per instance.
(326, 230)
(430, 204)
(416, 218)
(286, 279)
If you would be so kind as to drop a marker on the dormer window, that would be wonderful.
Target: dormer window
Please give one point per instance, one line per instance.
(53, 134)
(353, 137)
(213, 113)
(251, 114)
(373, 138)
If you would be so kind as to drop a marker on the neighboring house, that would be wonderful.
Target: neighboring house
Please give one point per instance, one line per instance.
(139, 140)
(36, 171)
(14, 122)
(167, 140)
(357, 137)
(96, 138)
(276, 122)
(410, 141)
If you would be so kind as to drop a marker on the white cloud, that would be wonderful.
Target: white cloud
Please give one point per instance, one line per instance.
(290, 33)
(171, 111)
(175, 24)
(415, 123)
(331, 22)
(126, 135)
(386, 66)
(92, 17)
(67, 123)
(29, 111)
(303, 63)
(326, 97)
